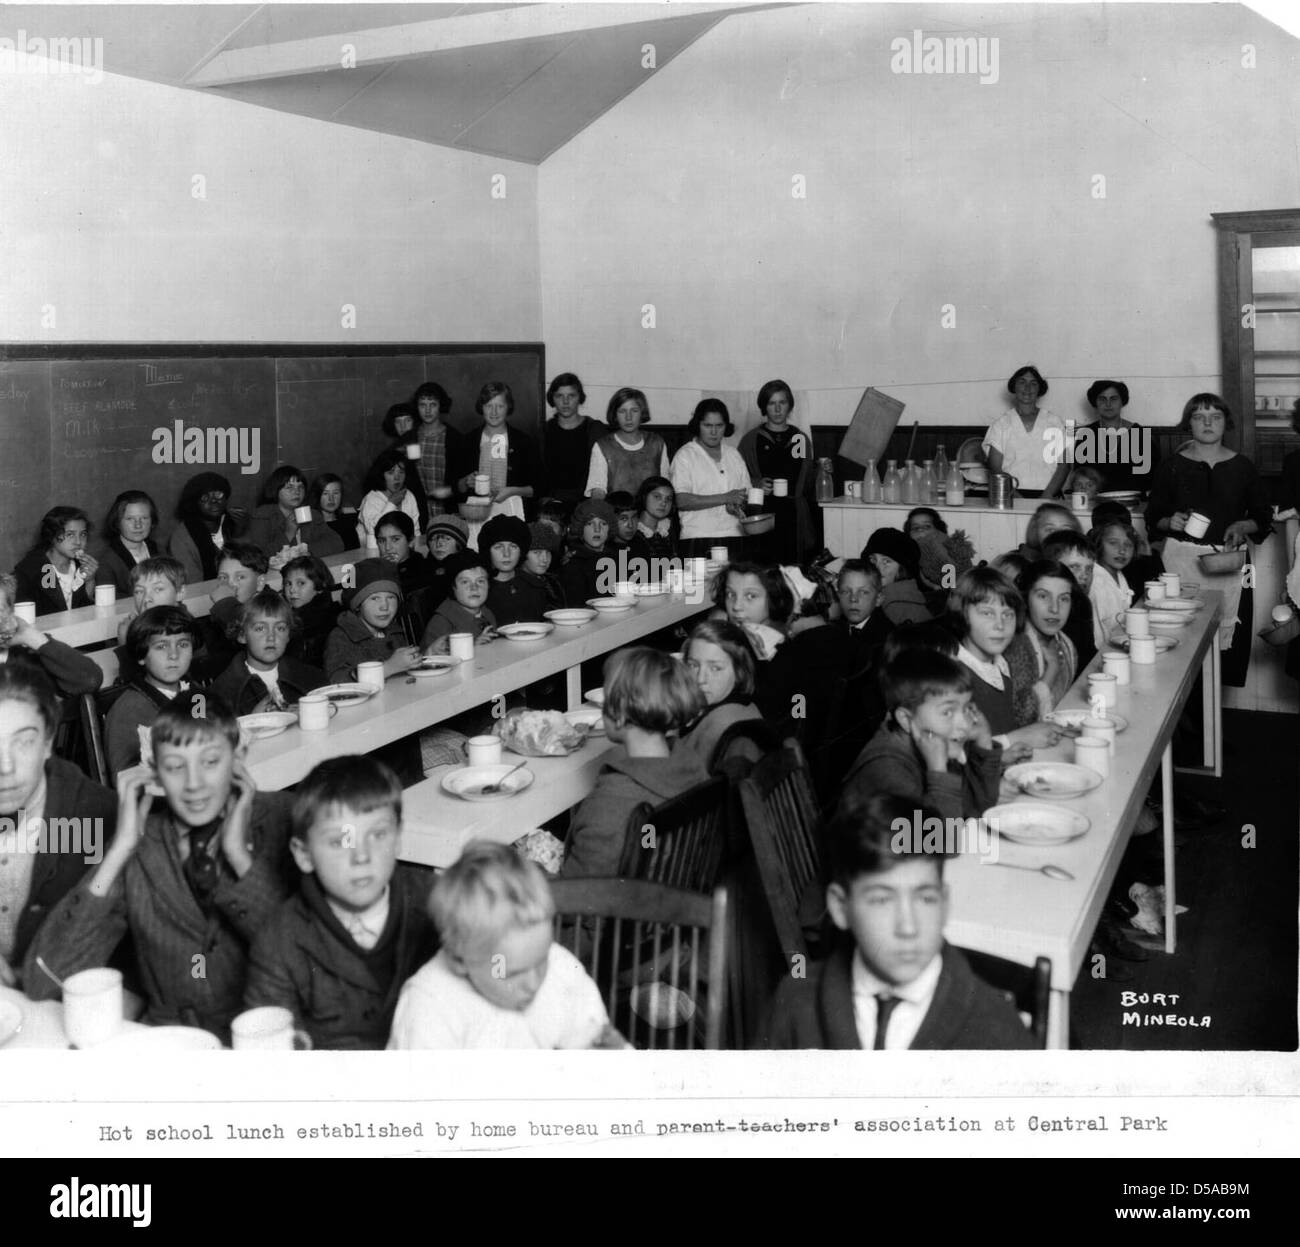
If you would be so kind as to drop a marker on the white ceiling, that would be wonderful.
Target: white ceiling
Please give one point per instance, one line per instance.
(511, 80)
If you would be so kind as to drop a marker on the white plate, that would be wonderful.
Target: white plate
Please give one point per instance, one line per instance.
(271, 723)
(571, 617)
(137, 1038)
(1120, 495)
(1023, 822)
(467, 782)
(11, 1020)
(1180, 605)
(526, 631)
(595, 695)
(345, 694)
(435, 664)
(609, 605)
(1059, 780)
(650, 591)
(1163, 643)
(1189, 589)
(1074, 719)
(1161, 618)
(592, 718)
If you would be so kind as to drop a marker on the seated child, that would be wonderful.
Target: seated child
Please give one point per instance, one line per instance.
(156, 581)
(858, 589)
(71, 671)
(263, 676)
(647, 695)
(934, 746)
(653, 540)
(1144, 565)
(395, 536)
(161, 644)
(719, 656)
(465, 610)
(898, 560)
(192, 875)
(589, 570)
(554, 513)
(987, 613)
(448, 535)
(370, 630)
(339, 949)
(1114, 543)
(759, 600)
(1047, 587)
(895, 984)
(241, 572)
(511, 598)
(309, 589)
(499, 980)
(1076, 554)
(543, 543)
(626, 514)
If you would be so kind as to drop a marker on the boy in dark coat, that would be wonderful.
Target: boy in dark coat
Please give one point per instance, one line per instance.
(339, 949)
(262, 676)
(370, 630)
(894, 984)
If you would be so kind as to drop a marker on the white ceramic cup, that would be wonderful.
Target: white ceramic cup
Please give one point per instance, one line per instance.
(1142, 650)
(1197, 525)
(302, 515)
(853, 489)
(1173, 584)
(26, 610)
(315, 713)
(371, 674)
(105, 595)
(92, 1006)
(482, 483)
(676, 580)
(412, 450)
(484, 750)
(1137, 622)
(1155, 590)
(267, 1029)
(719, 554)
(1103, 686)
(698, 569)
(756, 496)
(1100, 729)
(1092, 753)
(461, 645)
(781, 487)
(1079, 500)
(1116, 664)
(625, 589)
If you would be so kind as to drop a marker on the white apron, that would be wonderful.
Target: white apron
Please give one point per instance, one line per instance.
(1181, 557)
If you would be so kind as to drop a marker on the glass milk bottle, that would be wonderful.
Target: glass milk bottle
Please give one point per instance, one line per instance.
(955, 487)
(940, 472)
(892, 488)
(871, 491)
(929, 488)
(825, 485)
(909, 483)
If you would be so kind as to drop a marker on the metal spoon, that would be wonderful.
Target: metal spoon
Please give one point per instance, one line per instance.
(1052, 872)
(491, 789)
(54, 978)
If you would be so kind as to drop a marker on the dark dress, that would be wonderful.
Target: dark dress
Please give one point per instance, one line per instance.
(31, 576)
(1121, 475)
(566, 458)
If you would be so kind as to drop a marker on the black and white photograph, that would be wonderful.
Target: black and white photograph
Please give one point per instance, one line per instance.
(691, 539)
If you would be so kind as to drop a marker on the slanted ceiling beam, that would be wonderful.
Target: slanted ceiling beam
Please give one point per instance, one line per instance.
(383, 44)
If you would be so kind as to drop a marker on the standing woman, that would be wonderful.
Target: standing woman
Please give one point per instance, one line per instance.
(326, 495)
(776, 450)
(128, 539)
(430, 477)
(386, 491)
(275, 525)
(57, 573)
(1118, 444)
(1205, 476)
(623, 458)
(567, 440)
(1026, 439)
(207, 522)
(711, 481)
(499, 451)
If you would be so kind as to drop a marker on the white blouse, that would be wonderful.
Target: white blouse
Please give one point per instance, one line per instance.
(1030, 457)
(695, 471)
(374, 506)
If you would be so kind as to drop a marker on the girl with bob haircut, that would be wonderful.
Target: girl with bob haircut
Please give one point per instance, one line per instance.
(712, 482)
(719, 656)
(128, 539)
(326, 496)
(567, 439)
(1022, 438)
(647, 696)
(275, 525)
(776, 450)
(496, 449)
(626, 455)
(386, 490)
(656, 526)
(60, 549)
(750, 596)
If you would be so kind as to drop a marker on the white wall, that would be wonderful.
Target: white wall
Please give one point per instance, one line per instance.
(301, 217)
(922, 191)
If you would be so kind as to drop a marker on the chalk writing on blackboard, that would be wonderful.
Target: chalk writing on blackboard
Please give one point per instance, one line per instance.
(242, 446)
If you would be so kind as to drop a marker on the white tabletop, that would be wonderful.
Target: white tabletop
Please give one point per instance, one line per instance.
(407, 706)
(1023, 915)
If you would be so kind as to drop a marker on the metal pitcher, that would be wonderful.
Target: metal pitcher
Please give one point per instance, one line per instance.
(1002, 489)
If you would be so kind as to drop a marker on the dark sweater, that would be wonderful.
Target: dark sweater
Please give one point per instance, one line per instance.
(516, 600)
(31, 576)
(585, 572)
(353, 642)
(965, 1013)
(71, 672)
(242, 690)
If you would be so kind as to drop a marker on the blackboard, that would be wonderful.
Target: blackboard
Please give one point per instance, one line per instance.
(80, 424)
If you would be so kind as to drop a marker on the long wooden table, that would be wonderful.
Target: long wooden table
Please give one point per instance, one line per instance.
(1024, 914)
(408, 705)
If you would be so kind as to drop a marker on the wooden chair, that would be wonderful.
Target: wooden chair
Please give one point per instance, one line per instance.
(741, 746)
(781, 812)
(635, 934)
(1028, 988)
(681, 843)
(75, 732)
(94, 709)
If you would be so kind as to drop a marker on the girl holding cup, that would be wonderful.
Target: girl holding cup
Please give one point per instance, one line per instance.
(1207, 479)
(57, 573)
(386, 491)
(283, 518)
(773, 451)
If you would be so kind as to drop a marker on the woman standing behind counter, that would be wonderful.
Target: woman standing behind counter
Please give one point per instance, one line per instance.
(1026, 440)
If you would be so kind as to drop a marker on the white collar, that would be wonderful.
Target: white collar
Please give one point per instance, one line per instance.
(990, 672)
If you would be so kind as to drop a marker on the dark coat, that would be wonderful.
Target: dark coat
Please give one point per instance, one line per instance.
(242, 690)
(817, 1012)
(30, 574)
(115, 564)
(352, 643)
(68, 669)
(343, 996)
